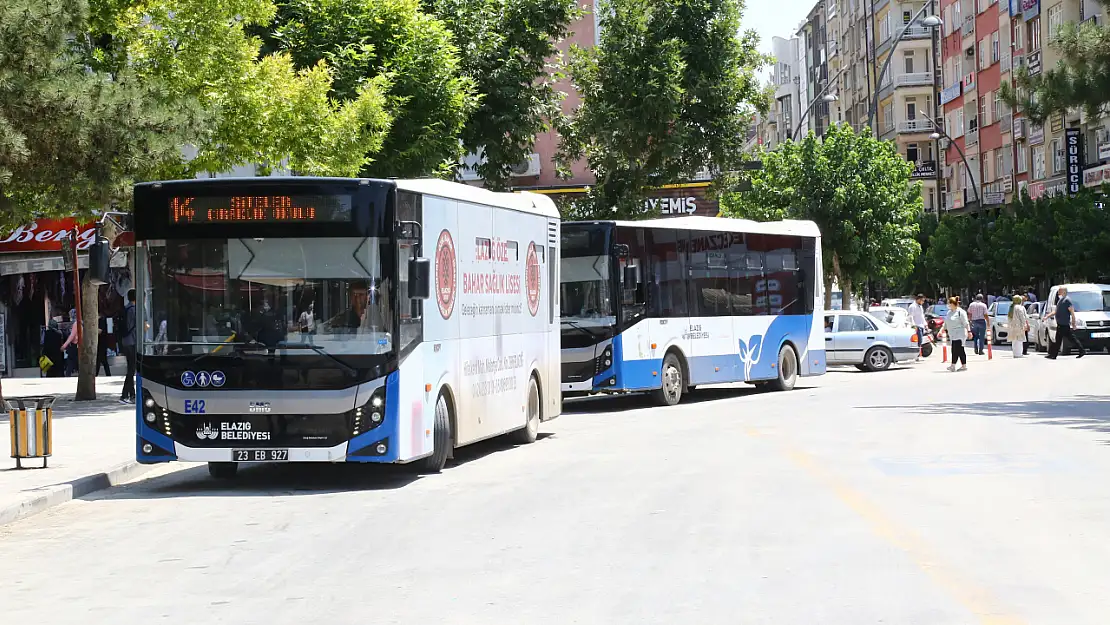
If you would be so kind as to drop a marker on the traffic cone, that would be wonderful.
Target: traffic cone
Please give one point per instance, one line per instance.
(944, 347)
(990, 352)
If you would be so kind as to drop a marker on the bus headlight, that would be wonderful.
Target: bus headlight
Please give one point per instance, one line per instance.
(149, 403)
(150, 416)
(370, 415)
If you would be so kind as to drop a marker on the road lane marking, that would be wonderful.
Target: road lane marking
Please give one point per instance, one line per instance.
(976, 599)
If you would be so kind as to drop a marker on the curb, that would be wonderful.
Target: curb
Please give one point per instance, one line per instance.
(42, 499)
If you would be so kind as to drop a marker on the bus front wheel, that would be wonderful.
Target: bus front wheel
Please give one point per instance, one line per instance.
(223, 470)
(788, 370)
(673, 382)
(441, 438)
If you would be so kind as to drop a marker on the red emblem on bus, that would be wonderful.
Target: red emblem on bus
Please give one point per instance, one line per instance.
(445, 274)
(532, 279)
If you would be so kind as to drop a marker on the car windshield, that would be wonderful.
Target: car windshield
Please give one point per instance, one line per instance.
(940, 309)
(229, 295)
(1002, 308)
(1090, 300)
(586, 297)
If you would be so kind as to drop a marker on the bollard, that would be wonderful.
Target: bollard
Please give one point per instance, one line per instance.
(990, 352)
(32, 428)
(944, 347)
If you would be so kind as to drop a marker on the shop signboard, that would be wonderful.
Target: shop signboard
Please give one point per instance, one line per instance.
(1095, 176)
(1073, 144)
(1048, 188)
(1030, 9)
(1103, 151)
(1036, 134)
(45, 235)
(924, 170)
(951, 93)
(1035, 63)
(994, 197)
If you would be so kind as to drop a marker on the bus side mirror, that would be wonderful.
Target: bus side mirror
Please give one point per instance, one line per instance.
(100, 257)
(630, 275)
(420, 278)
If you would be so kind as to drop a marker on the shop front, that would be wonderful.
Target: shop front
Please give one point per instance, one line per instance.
(673, 200)
(36, 293)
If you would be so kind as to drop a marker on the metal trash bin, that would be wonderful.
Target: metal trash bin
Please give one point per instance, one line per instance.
(32, 424)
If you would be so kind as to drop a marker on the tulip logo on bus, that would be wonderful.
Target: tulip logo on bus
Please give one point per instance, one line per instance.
(532, 279)
(445, 274)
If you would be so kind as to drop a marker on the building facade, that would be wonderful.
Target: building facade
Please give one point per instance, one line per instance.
(995, 153)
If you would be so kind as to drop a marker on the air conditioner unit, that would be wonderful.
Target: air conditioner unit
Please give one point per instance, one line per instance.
(528, 167)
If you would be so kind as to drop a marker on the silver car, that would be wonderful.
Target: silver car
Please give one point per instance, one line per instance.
(857, 338)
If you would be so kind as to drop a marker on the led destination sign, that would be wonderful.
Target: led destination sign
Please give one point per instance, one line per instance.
(260, 209)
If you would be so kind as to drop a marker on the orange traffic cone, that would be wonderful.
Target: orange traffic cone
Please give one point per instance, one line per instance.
(944, 347)
(990, 352)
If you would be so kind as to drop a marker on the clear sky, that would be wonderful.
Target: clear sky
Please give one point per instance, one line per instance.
(772, 18)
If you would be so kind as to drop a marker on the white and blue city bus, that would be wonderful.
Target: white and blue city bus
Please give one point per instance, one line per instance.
(321, 319)
(667, 304)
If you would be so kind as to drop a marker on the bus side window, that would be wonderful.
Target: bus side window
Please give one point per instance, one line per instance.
(410, 311)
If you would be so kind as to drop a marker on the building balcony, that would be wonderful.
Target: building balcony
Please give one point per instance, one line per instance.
(914, 125)
(915, 79)
(972, 137)
(915, 31)
(1004, 62)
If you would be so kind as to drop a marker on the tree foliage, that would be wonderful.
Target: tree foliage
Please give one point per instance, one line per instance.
(668, 91)
(376, 42)
(506, 48)
(73, 138)
(858, 191)
(1052, 239)
(1081, 79)
(258, 108)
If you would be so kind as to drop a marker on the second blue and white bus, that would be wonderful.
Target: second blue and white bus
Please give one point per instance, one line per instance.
(665, 305)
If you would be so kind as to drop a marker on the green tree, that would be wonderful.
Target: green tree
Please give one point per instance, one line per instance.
(668, 91)
(370, 41)
(257, 108)
(506, 48)
(858, 191)
(1081, 79)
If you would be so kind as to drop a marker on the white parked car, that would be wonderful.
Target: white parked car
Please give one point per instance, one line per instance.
(1092, 313)
(856, 338)
(999, 313)
(1037, 330)
(892, 315)
(900, 302)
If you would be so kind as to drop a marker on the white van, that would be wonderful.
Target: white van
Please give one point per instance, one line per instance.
(1092, 313)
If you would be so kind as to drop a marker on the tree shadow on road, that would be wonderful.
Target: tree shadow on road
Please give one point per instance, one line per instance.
(299, 478)
(1083, 412)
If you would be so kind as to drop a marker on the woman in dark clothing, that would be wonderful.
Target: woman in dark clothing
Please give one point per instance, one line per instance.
(52, 348)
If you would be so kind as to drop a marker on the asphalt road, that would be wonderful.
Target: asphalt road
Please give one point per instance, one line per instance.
(914, 496)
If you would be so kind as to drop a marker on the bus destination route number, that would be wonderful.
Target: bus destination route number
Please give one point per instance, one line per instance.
(260, 455)
(260, 209)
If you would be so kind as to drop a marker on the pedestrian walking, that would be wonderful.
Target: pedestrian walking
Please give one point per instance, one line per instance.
(977, 312)
(127, 396)
(917, 315)
(102, 346)
(1019, 326)
(1065, 326)
(958, 327)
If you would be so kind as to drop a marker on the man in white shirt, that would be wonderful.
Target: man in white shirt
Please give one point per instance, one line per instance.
(917, 315)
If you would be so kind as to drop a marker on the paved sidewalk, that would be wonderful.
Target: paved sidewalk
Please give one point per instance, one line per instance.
(93, 447)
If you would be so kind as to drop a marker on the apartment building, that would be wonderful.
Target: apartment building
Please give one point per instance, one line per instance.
(994, 154)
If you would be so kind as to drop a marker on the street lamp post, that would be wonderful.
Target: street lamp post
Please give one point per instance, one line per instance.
(931, 21)
(939, 132)
(821, 96)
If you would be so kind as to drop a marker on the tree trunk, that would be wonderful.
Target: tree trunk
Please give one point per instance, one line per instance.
(828, 292)
(845, 292)
(86, 351)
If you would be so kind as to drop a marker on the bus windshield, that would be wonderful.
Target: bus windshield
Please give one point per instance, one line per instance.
(227, 296)
(586, 291)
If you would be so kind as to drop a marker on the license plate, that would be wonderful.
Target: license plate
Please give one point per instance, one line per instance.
(260, 455)
(1100, 335)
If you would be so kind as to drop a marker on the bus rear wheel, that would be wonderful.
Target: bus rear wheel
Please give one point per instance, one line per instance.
(673, 382)
(531, 429)
(223, 470)
(441, 438)
(788, 370)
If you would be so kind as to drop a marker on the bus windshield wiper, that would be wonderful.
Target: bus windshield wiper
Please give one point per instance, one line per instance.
(351, 371)
(575, 326)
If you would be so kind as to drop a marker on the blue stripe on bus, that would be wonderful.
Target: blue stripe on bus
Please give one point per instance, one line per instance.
(644, 374)
(388, 429)
(144, 431)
